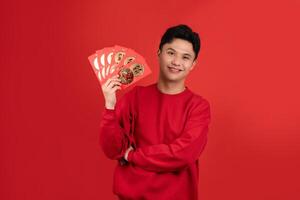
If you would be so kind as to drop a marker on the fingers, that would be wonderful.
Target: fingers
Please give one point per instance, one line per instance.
(109, 80)
(115, 88)
(112, 82)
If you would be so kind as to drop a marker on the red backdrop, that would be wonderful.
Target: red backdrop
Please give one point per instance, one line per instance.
(51, 101)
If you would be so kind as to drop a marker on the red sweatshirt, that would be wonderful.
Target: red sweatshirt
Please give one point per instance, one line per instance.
(168, 133)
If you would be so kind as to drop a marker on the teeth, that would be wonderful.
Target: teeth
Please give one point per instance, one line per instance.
(174, 69)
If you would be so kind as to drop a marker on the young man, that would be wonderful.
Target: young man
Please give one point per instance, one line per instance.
(158, 132)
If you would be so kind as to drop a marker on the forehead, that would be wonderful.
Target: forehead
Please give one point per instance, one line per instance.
(181, 46)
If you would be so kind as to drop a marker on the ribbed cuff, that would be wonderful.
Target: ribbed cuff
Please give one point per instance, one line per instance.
(109, 110)
(108, 113)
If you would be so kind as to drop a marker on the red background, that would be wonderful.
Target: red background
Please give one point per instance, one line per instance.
(51, 101)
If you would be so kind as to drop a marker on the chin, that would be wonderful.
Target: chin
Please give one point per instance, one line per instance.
(173, 79)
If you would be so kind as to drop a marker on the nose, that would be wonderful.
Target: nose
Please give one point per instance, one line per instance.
(176, 61)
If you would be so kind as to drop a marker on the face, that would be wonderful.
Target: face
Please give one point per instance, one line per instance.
(176, 60)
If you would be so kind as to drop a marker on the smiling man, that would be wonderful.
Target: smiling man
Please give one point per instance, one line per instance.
(158, 132)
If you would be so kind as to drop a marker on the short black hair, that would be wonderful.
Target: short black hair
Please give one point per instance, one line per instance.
(184, 32)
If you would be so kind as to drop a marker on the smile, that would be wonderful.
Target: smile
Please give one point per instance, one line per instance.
(174, 70)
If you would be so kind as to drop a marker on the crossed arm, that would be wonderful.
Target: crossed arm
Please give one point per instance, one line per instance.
(159, 157)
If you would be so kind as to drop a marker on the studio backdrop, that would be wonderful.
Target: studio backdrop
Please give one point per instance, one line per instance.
(51, 100)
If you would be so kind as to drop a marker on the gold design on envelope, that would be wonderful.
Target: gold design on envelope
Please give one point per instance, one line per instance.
(137, 69)
(126, 76)
(119, 56)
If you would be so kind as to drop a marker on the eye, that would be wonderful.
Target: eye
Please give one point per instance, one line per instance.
(186, 58)
(170, 53)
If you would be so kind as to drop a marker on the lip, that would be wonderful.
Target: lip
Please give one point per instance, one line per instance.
(174, 69)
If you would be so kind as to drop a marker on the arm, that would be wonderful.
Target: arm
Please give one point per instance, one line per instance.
(116, 127)
(184, 150)
(113, 138)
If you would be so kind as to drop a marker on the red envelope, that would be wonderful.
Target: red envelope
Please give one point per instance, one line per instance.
(93, 59)
(128, 64)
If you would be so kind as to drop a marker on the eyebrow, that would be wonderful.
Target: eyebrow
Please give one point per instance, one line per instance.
(185, 54)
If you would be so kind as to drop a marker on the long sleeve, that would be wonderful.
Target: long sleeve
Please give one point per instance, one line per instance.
(116, 127)
(182, 151)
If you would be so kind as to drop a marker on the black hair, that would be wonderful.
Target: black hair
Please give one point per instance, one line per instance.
(184, 32)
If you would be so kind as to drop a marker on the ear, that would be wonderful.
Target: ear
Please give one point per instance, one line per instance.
(158, 52)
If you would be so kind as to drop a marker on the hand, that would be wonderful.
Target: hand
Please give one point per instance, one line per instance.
(109, 89)
(127, 152)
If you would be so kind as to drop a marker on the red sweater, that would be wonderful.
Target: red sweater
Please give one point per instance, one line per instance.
(168, 132)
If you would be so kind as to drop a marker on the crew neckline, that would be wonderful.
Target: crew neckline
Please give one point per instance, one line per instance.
(171, 95)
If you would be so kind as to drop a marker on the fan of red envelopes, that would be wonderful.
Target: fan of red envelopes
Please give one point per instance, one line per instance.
(110, 61)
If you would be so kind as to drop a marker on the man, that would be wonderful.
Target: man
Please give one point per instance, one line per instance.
(158, 132)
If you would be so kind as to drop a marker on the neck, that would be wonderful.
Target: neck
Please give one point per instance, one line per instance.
(170, 87)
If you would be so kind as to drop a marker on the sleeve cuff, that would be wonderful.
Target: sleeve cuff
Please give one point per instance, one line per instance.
(108, 110)
(108, 114)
